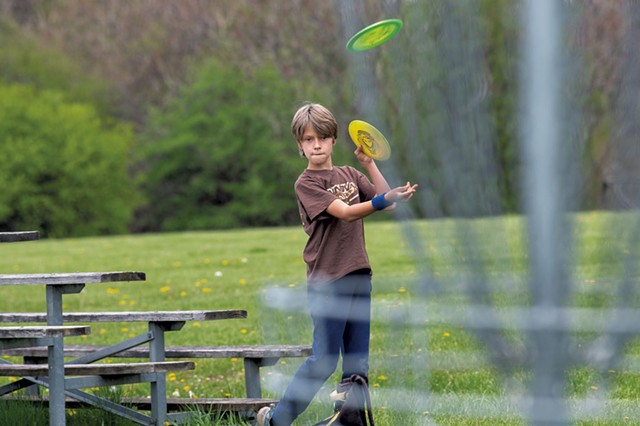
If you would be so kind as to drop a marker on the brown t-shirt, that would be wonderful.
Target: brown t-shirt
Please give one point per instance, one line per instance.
(335, 247)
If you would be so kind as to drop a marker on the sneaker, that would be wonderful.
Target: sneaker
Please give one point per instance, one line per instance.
(264, 416)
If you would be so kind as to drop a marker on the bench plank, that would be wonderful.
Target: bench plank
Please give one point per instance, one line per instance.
(149, 316)
(97, 369)
(14, 237)
(173, 404)
(34, 332)
(70, 278)
(207, 404)
(267, 351)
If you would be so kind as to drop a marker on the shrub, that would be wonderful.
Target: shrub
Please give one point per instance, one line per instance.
(64, 171)
(221, 154)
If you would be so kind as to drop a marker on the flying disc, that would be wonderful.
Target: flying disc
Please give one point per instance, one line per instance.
(374, 35)
(373, 143)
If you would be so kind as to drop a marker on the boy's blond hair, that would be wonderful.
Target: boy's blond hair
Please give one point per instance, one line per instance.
(316, 116)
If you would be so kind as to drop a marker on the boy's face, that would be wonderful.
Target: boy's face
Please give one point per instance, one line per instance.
(317, 149)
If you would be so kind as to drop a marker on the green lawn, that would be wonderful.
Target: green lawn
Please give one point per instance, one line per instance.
(426, 368)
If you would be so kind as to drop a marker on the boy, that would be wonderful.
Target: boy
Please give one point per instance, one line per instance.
(332, 201)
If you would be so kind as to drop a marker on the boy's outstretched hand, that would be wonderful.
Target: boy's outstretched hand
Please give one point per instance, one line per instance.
(401, 193)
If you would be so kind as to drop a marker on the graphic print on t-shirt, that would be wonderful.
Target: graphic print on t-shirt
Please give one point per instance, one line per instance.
(346, 192)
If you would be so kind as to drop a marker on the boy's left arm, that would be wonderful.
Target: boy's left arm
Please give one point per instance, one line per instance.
(372, 170)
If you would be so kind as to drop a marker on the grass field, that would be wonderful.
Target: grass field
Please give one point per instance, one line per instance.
(426, 367)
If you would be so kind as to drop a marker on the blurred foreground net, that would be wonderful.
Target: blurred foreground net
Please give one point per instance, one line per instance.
(528, 318)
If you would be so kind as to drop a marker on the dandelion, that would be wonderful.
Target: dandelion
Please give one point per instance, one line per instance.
(171, 377)
(206, 290)
(594, 388)
(243, 331)
(103, 331)
(402, 290)
(112, 290)
(207, 261)
(227, 395)
(183, 293)
(242, 281)
(225, 262)
(122, 302)
(196, 324)
(234, 359)
(204, 281)
(446, 334)
(187, 388)
(165, 289)
(376, 385)
(132, 302)
(124, 330)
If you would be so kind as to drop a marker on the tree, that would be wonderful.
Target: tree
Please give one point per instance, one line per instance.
(221, 154)
(64, 171)
(27, 60)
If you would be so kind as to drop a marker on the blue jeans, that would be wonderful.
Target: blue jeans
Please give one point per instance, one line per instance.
(341, 315)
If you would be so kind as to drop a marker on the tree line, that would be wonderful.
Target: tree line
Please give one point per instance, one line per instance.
(158, 115)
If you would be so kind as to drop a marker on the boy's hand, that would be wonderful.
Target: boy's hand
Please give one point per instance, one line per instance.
(401, 193)
(362, 158)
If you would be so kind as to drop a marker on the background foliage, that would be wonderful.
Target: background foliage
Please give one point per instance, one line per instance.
(216, 157)
(52, 178)
(208, 89)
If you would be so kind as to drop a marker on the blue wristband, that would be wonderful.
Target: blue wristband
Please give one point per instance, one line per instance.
(380, 203)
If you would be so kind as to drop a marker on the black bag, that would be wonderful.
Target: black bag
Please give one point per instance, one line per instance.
(352, 404)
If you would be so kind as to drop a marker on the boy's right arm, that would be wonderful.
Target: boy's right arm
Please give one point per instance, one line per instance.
(350, 213)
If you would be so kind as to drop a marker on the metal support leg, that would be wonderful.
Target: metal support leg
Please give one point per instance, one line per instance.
(159, 387)
(252, 378)
(252, 374)
(56, 360)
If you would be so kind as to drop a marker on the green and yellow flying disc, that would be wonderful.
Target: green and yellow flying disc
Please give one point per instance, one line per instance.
(374, 35)
(373, 143)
